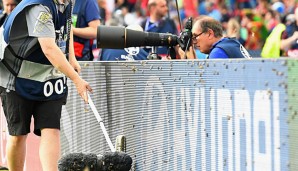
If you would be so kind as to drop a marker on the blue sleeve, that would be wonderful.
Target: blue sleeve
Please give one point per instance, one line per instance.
(91, 11)
(142, 55)
(112, 54)
(218, 53)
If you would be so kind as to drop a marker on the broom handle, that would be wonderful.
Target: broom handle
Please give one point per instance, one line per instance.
(91, 104)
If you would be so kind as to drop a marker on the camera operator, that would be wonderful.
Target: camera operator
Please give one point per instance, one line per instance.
(207, 36)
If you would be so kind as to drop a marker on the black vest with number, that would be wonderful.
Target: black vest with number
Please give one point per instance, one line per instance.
(37, 78)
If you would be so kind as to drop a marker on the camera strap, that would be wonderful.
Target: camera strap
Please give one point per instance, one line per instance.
(149, 25)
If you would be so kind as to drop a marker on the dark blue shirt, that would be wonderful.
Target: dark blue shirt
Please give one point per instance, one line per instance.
(84, 11)
(163, 26)
(218, 53)
(228, 48)
(128, 54)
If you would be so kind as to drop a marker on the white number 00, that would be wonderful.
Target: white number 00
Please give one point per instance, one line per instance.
(48, 88)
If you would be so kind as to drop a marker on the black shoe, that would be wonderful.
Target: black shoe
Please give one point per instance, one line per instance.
(114, 161)
(3, 168)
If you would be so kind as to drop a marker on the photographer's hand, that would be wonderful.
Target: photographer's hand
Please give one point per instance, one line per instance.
(190, 53)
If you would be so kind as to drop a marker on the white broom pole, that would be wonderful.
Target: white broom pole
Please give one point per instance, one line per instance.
(91, 104)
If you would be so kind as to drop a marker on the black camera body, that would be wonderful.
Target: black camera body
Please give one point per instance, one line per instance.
(186, 35)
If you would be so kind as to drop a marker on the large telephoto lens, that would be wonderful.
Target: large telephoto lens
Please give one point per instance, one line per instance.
(117, 37)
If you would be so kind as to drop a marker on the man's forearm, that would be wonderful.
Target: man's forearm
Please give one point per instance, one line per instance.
(57, 58)
(89, 32)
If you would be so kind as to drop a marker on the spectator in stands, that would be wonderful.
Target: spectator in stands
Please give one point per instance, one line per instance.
(271, 19)
(139, 16)
(212, 11)
(262, 8)
(271, 48)
(157, 22)
(245, 4)
(120, 3)
(131, 5)
(289, 42)
(126, 54)
(278, 7)
(253, 29)
(290, 6)
(208, 38)
(85, 20)
(8, 6)
(233, 30)
(225, 15)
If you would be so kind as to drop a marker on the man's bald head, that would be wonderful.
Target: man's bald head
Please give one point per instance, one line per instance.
(150, 2)
(206, 22)
(157, 8)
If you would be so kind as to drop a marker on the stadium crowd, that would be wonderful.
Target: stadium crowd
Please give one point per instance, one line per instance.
(251, 21)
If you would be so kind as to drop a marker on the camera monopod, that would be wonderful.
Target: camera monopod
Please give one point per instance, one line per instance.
(120, 144)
